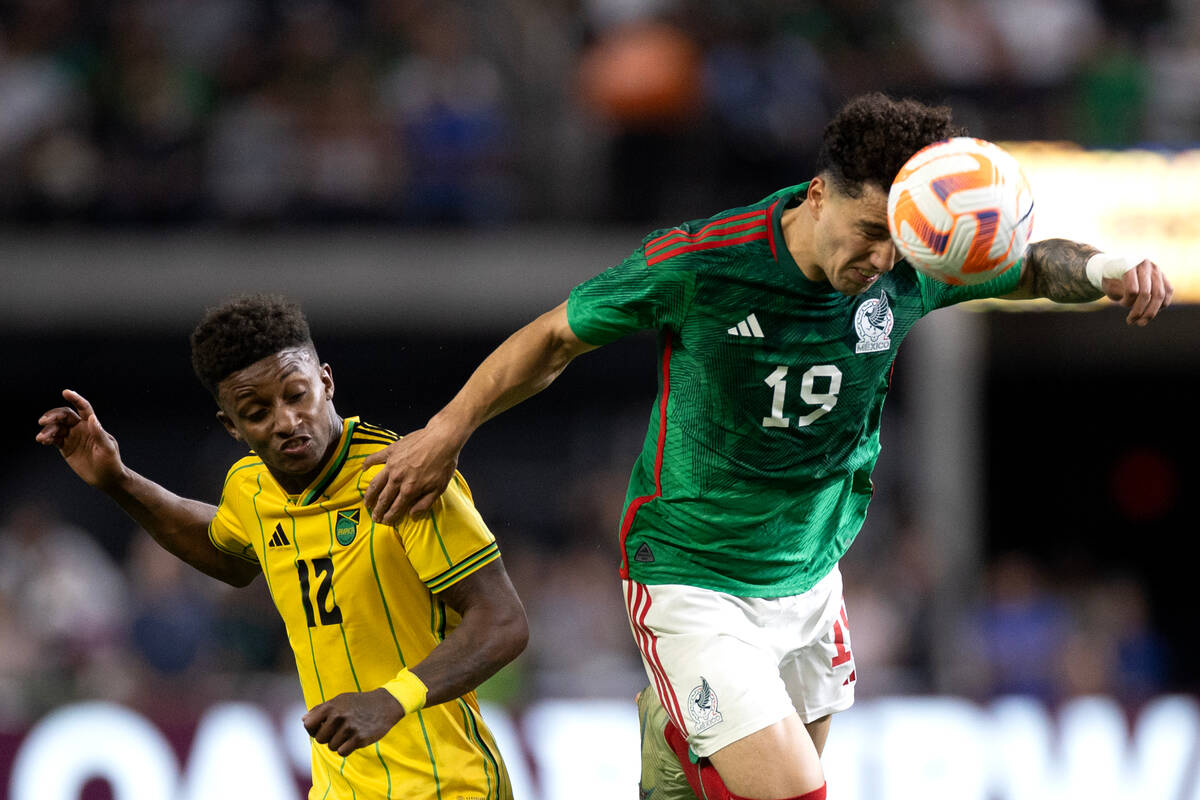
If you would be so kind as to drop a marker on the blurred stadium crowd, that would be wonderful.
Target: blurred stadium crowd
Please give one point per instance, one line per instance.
(136, 112)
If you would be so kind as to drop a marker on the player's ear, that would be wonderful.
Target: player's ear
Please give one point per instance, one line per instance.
(814, 200)
(230, 428)
(327, 380)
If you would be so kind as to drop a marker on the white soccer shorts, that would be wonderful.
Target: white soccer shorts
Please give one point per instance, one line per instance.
(726, 667)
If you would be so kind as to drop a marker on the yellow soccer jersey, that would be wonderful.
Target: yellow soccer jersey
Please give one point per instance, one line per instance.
(359, 601)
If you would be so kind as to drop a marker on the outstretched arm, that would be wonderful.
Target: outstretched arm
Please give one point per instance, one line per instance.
(178, 524)
(419, 466)
(493, 632)
(1064, 271)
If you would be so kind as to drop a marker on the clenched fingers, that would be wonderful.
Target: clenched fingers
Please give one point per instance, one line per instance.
(333, 732)
(56, 425)
(322, 723)
(1147, 291)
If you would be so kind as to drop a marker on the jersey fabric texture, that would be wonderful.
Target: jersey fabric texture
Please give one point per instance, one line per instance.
(359, 601)
(754, 477)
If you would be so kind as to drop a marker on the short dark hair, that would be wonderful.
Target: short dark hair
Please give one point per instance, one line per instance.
(872, 136)
(243, 330)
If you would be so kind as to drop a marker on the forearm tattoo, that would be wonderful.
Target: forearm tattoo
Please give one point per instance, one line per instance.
(1055, 269)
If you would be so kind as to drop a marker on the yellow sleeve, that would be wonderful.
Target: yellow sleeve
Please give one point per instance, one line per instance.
(226, 531)
(450, 542)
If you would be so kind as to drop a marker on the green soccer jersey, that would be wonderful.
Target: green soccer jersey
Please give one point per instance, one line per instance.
(754, 477)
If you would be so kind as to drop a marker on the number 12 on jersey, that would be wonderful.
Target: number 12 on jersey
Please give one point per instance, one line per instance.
(809, 392)
(329, 613)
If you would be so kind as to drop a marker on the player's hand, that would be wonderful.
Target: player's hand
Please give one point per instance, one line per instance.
(87, 448)
(353, 720)
(416, 471)
(1144, 290)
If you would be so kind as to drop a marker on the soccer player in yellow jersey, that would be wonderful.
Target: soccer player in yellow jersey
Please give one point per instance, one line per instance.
(392, 627)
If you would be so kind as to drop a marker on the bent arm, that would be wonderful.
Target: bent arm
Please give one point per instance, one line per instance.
(493, 632)
(523, 365)
(1058, 269)
(419, 466)
(180, 526)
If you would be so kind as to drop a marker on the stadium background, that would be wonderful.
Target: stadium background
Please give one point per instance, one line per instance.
(425, 177)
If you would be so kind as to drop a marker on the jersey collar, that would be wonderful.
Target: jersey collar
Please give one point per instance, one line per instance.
(318, 486)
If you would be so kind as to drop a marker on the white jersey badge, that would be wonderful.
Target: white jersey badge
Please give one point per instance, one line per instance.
(873, 321)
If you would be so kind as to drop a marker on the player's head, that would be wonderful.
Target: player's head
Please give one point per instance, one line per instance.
(870, 138)
(255, 355)
(864, 146)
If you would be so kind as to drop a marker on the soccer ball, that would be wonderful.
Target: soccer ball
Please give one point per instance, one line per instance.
(961, 211)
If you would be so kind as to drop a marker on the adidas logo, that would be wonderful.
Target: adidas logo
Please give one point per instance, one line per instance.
(279, 539)
(643, 554)
(747, 327)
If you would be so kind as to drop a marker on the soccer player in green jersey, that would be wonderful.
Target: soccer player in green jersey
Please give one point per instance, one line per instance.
(392, 627)
(777, 326)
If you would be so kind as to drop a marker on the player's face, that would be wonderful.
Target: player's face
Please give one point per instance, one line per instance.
(282, 407)
(851, 238)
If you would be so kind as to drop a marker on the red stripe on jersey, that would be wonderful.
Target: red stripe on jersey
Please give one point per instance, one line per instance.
(675, 233)
(631, 511)
(729, 226)
(771, 229)
(647, 643)
(706, 245)
(715, 237)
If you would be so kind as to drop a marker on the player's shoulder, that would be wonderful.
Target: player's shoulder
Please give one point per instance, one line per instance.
(366, 437)
(698, 242)
(246, 468)
(244, 479)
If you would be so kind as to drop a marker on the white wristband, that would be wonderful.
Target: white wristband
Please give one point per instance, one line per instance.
(1107, 265)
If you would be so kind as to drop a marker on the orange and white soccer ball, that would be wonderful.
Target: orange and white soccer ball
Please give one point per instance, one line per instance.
(961, 211)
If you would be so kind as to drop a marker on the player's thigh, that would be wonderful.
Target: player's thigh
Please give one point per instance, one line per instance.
(818, 731)
(713, 668)
(780, 760)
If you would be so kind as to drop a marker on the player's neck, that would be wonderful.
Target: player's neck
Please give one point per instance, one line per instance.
(797, 225)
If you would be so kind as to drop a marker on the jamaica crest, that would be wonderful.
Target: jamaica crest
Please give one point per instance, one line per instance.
(873, 322)
(702, 707)
(347, 526)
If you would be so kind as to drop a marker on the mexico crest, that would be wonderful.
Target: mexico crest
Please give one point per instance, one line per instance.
(873, 322)
(702, 706)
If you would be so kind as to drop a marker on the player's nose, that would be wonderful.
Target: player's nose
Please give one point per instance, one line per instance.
(286, 420)
(884, 256)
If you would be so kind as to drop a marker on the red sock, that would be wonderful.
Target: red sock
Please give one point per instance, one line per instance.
(703, 777)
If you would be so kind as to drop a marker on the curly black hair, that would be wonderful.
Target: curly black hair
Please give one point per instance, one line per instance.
(243, 330)
(872, 136)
